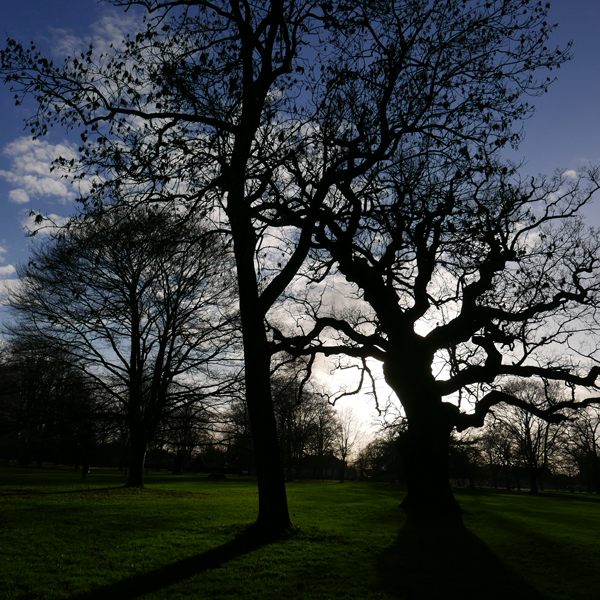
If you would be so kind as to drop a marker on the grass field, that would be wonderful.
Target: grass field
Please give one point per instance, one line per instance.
(185, 538)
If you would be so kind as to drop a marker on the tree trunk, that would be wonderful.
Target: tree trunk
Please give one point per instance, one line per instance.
(533, 488)
(425, 444)
(426, 466)
(273, 513)
(136, 461)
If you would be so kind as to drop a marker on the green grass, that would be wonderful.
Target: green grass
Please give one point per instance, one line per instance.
(186, 537)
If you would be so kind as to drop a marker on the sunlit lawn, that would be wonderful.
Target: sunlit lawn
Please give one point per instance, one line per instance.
(183, 537)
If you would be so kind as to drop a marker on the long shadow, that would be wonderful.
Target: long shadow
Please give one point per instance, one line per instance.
(145, 583)
(38, 492)
(440, 558)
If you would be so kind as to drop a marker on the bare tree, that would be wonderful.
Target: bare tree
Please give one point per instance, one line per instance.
(536, 442)
(201, 106)
(462, 282)
(306, 422)
(584, 446)
(136, 302)
(498, 450)
(186, 430)
(348, 435)
(235, 434)
(322, 432)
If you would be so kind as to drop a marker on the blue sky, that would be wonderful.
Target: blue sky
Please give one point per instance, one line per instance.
(56, 26)
(564, 132)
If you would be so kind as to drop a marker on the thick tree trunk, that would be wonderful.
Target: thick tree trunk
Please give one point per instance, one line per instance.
(426, 448)
(426, 443)
(136, 461)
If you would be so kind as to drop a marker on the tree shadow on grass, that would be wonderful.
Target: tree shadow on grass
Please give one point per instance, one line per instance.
(39, 492)
(440, 558)
(138, 586)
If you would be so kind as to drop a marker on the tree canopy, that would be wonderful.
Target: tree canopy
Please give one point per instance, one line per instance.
(137, 301)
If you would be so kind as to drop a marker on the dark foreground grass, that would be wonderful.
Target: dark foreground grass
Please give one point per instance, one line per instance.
(188, 537)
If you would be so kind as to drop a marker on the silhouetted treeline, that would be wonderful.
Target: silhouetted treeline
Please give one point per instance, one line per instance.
(51, 413)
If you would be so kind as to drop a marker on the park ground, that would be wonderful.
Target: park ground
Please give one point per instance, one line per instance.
(188, 537)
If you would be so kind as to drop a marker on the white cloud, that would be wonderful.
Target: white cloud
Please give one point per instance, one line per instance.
(7, 286)
(30, 170)
(113, 27)
(49, 224)
(7, 271)
(18, 196)
(39, 153)
(3, 251)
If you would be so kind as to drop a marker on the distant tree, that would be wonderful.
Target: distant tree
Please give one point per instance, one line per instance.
(293, 420)
(347, 437)
(306, 422)
(49, 411)
(536, 443)
(380, 460)
(584, 447)
(498, 451)
(322, 432)
(236, 435)
(186, 430)
(464, 459)
(137, 301)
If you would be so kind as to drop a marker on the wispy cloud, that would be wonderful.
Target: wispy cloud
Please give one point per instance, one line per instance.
(30, 170)
(110, 30)
(18, 196)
